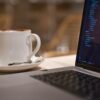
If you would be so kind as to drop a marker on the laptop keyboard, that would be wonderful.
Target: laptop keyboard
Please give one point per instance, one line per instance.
(75, 82)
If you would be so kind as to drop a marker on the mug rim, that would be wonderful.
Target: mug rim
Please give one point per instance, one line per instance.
(16, 31)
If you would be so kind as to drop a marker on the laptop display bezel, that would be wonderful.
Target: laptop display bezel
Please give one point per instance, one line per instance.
(81, 64)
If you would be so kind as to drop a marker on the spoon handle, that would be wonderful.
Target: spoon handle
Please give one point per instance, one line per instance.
(17, 63)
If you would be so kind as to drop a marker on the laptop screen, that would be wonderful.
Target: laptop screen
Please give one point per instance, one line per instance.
(88, 55)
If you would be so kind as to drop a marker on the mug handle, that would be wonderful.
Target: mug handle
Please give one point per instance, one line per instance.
(37, 48)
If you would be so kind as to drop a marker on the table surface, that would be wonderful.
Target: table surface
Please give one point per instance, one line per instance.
(58, 62)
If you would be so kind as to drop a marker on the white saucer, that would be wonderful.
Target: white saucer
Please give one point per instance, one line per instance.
(21, 67)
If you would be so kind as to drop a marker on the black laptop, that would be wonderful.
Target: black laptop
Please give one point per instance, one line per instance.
(81, 82)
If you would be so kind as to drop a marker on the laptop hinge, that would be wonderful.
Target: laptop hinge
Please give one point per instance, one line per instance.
(85, 71)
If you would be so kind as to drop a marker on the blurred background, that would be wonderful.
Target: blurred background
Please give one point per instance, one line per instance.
(57, 22)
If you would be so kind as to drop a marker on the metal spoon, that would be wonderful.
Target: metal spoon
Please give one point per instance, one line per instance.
(33, 60)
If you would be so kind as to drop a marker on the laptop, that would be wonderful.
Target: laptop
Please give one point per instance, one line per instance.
(81, 82)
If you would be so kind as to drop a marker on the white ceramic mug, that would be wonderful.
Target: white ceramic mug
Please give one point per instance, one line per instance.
(16, 46)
